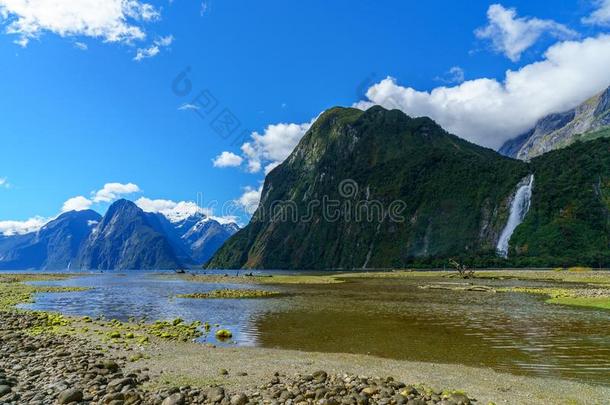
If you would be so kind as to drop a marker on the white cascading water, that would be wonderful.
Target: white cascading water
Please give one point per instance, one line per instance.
(518, 210)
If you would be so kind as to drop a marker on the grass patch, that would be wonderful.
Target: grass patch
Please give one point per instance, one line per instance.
(589, 302)
(247, 279)
(564, 296)
(14, 291)
(597, 277)
(580, 269)
(231, 294)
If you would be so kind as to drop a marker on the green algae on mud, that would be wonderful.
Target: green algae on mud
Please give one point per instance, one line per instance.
(590, 298)
(596, 295)
(589, 302)
(595, 277)
(14, 291)
(231, 294)
(288, 279)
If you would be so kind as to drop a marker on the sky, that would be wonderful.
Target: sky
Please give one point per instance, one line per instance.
(167, 102)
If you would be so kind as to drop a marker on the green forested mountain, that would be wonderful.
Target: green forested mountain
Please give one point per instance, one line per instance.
(456, 197)
(569, 219)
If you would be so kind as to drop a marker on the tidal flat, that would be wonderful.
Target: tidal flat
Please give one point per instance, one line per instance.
(507, 346)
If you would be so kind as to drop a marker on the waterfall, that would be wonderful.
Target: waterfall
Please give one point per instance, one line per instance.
(518, 209)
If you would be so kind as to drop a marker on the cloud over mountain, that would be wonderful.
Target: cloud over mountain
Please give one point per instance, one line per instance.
(488, 111)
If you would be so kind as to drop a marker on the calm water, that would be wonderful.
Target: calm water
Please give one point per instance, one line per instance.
(511, 332)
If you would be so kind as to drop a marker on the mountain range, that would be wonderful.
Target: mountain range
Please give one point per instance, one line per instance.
(374, 189)
(126, 237)
(588, 121)
(456, 198)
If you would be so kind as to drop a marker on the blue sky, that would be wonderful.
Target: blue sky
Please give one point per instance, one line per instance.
(82, 109)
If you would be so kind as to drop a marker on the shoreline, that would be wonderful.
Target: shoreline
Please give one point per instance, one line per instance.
(170, 364)
(163, 366)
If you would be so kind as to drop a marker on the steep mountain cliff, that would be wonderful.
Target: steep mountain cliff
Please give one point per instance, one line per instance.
(421, 192)
(127, 238)
(587, 121)
(53, 247)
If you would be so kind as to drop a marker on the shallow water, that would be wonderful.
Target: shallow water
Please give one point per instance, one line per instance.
(512, 332)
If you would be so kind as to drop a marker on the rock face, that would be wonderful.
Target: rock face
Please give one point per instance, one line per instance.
(53, 247)
(127, 238)
(588, 121)
(450, 197)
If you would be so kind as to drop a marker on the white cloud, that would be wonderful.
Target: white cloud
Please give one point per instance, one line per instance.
(4, 183)
(488, 112)
(205, 6)
(154, 49)
(271, 166)
(601, 16)
(273, 146)
(108, 193)
(149, 205)
(109, 20)
(78, 203)
(81, 45)
(512, 35)
(112, 191)
(188, 106)
(250, 198)
(9, 228)
(174, 211)
(455, 75)
(178, 211)
(227, 159)
(144, 53)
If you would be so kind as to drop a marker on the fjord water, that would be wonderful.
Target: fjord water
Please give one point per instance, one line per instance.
(393, 318)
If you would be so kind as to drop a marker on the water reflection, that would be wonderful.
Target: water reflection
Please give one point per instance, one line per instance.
(516, 333)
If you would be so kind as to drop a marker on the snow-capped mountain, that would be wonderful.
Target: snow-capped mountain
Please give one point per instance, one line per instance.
(193, 232)
(127, 237)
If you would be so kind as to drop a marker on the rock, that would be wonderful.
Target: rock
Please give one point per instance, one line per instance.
(319, 376)
(216, 394)
(239, 399)
(4, 389)
(174, 399)
(362, 400)
(285, 395)
(118, 396)
(459, 399)
(224, 371)
(320, 392)
(119, 383)
(111, 366)
(70, 395)
(399, 399)
(369, 391)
